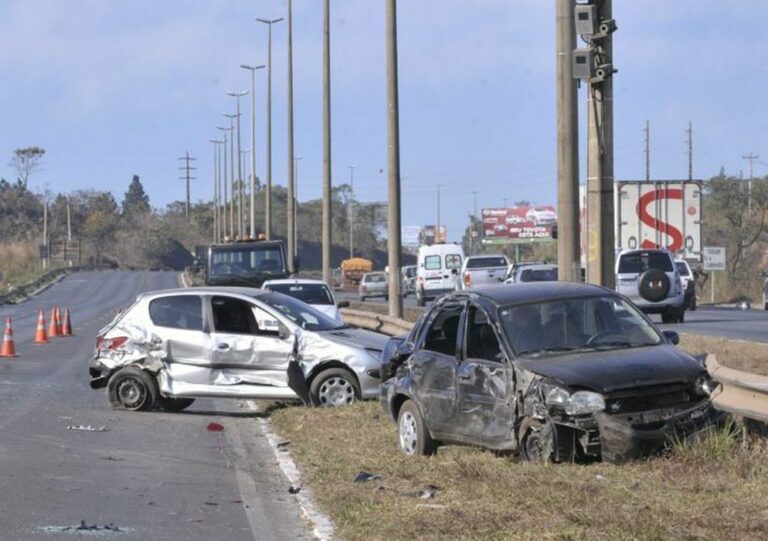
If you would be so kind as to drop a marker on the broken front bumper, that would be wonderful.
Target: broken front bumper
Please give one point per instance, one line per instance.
(623, 438)
(99, 374)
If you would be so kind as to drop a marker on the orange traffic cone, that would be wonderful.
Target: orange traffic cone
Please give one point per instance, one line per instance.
(40, 336)
(66, 328)
(53, 329)
(58, 321)
(8, 349)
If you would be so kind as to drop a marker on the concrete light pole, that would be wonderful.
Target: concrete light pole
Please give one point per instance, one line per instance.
(326, 235)
(291, 210)
(394, 232)
(268, 206)
(351, 213)
(216, 224)
(240, 199)
(227, 230)
(252, 214)
(296, 205)
(231, 118)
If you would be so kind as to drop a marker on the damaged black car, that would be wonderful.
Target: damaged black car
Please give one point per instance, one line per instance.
(555, 371)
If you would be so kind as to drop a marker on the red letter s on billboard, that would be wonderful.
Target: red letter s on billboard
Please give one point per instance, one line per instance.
(646, 218)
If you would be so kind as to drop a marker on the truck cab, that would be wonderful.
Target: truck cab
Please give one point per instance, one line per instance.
(246, 263)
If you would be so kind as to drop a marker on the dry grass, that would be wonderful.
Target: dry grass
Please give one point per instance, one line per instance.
(19, 264)
(739, 354)
(709, 490)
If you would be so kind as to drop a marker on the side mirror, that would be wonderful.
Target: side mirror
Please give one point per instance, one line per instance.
(343, 304)
(672, 337)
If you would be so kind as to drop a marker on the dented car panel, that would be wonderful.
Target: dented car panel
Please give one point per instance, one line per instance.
(556, 371)
(232, 342)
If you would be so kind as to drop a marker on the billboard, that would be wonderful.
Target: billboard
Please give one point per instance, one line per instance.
(429, 234)
(518, 223)
(411, 235)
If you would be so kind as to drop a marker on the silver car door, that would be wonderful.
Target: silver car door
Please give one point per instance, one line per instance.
(248, 345)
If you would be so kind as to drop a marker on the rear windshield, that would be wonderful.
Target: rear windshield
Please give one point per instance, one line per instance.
(538, 275)
(309, 293)
(375, 278)
(642, 261)
(247, 259)
(453, 261)
(432, 262)
(682, 268)
(482, 262)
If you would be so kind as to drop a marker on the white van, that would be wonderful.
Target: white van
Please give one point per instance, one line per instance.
(437, 270)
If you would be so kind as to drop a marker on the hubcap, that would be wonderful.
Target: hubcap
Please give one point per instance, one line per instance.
(408, 436)
(336, 391)
(131, 393)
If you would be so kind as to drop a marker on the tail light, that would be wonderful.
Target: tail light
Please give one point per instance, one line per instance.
(110, 344)
(467, 279)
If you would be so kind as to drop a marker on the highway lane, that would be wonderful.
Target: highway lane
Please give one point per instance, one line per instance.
(154, 475)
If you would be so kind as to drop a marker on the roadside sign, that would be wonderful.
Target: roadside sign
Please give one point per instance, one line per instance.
(714, 258)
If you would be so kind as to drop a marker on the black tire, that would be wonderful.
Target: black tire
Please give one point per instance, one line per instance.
(538, 444)
(420, 300)
(174, 405)
(334, 387)
(692, 305)
(653, 285)
(413, 436)
(681, 316)
(132, 389)
(667, 317)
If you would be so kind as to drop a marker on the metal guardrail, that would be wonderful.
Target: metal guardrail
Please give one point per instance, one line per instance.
(376, 322)
(25, 291)
(740, 393)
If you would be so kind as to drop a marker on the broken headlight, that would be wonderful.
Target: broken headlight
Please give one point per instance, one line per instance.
(704, 385)
(557, 396)
(583, 402)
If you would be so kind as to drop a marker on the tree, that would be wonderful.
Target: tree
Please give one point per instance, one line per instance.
(101, 223)
(136, 201)
(26, 161)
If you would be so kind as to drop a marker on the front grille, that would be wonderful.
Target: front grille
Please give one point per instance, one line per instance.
(649, 398)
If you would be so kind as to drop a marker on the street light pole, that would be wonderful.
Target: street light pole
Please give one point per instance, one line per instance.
(216, 224)
(224, 181)
(240, 199)
(327, 209)
(296, 205)
(253, 69)
(231, 118)
(268, 206)
(394, 240)
(351, 213)
(291, 210)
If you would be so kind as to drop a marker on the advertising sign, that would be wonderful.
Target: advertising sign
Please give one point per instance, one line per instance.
(518, 223)
(411, 235)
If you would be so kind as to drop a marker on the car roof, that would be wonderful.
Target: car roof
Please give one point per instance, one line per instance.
(540, 266)
(534, 292)
(218, 290)
(296, 281)
(483, 256)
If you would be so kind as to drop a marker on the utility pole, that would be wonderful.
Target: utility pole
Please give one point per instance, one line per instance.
(216, 225)
(394, 233)
(326, 236)
(296, 205)
(46, 248)
(689, 131)
(600, 212)
(647, 150)
(291, 210)
(569, 232)
(751, 159)
(187, 169)
(240, 168)
(351, 213)
(268, 206)
(472, 227)
(233, 186)
(243, 188)
(252, 220)
(223, 177)
(69, 220)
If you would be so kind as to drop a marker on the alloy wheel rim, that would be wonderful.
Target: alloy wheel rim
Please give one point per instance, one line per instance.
(336, 391)
(408, 437)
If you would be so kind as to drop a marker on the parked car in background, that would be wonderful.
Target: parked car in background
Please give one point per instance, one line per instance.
(315, 293)
(552, 370)
(650, 279)
(533, 273)
(373, 284)
(512, 269)
(409, 280)
(173, 346)
(689, 283)
(480, 270)
(438, 270)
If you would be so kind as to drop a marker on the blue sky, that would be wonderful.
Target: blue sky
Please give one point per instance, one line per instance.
(112, 88)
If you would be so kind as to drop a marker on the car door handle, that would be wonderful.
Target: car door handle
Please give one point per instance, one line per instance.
(222, 347)
(466, 378)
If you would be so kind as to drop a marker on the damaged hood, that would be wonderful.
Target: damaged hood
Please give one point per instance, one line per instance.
(355, 337)
(608, 371)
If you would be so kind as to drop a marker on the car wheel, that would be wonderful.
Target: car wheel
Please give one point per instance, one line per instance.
(167, 403)
(334, 387)
(132, 389)
(681, 316)
(692, 306)
(538, 444)
(413, 435)
(420, 300)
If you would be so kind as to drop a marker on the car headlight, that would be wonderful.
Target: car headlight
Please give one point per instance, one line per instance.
(583, 402)
(557, 397)
(704, 385)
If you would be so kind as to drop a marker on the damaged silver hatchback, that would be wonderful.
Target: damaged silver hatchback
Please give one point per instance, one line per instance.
(556, 371)
(173, 346)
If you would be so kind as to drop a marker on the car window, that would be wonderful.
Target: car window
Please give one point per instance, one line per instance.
(481, 341)
(375, 278)
(481, 262)
(432, 262)
(309, 293)
(300, 313)
(453, 261)
(233, 316)
(443, 330)
(178, 312)
(682, 268)
(244, 259)
(538, 275)
(637, 262)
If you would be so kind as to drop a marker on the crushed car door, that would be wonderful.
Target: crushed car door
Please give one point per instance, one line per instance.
(485, 412)
(434, 366)
(178, 329)
(247, 344)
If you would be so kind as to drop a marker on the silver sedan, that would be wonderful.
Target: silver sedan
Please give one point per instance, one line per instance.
(173, 346)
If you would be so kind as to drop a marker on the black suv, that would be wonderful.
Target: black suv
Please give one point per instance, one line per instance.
(555, 370)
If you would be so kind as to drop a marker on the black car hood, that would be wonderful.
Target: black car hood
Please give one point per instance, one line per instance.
(608, 371)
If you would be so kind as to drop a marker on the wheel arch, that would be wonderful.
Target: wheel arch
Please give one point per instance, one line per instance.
(331, 364)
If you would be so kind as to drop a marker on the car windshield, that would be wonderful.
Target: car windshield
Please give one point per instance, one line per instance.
(300, 313)
(482, 262)
(637, 262)
(234, 260)
(562, 326)
(682, 268)
(375, 278)
(309, 293)
(538, 275)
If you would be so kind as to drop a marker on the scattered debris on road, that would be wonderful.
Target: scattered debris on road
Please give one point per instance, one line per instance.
(215, 427)
(364, 477)
(83, 527)
(294, 489)
(427, 492)
(88, 428)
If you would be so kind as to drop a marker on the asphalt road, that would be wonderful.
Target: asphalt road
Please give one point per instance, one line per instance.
(159, 476)
(732, 323)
